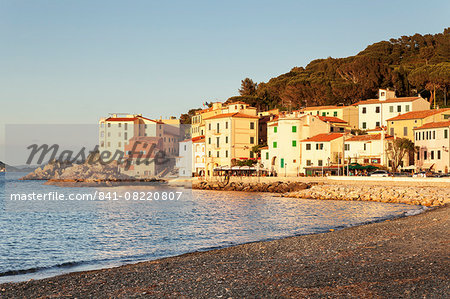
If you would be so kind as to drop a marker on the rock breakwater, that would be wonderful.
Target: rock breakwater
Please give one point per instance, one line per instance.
(426, 196)
(274, 187)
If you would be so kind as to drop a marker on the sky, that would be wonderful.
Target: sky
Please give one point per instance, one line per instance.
(76, 61)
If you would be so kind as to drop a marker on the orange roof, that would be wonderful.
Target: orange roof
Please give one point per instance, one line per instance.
(323, 137)
(419, 114)
(393, 100)
(322, 107)
(264, 148)
(331, 119)
(367, 137)
(121, 119)
(439, 124)
(198, 138)
(236, 114)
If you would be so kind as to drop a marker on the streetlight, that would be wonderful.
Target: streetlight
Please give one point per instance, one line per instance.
(285, 165)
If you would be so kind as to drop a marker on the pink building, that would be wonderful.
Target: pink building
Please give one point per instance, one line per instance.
(433, 144)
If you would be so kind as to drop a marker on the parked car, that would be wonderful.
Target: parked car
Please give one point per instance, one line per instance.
(402, 174)
(422, 174)
(380, 173)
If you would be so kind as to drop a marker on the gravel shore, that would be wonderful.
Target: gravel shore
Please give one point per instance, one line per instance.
(406, 257)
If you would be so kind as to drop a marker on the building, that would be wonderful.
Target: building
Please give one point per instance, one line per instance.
(184, 163)
(144, 158)
(321, 153)
(230, 137)
(375, 112)
(367, 149)
(433, 142)
(199, 155)
(283, 156)
(336, 124)
(403, 125)
(264, 118)
(198, 120)
(116, 131)
(349, 114)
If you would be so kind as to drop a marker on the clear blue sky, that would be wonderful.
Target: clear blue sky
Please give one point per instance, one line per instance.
(74, 61)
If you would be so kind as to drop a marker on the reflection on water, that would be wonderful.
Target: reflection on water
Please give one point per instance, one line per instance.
(49, 238)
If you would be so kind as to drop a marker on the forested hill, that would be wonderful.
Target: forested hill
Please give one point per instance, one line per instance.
(409, 64)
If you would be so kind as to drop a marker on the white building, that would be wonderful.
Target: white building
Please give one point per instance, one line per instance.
(184, 162)
(367, 149)
(284, 134)
(375, 112)
(433, 141)
(199, 155)
(320, 151)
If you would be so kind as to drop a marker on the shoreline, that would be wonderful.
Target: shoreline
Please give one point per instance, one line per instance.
(133, 278)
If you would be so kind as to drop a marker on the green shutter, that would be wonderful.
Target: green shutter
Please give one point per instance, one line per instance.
(294, 129)
(282, 162)
(275, 129)
(294, 143)
(267, 156)
(274, 144)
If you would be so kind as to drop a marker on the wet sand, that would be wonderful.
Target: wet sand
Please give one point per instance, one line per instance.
(406, 257)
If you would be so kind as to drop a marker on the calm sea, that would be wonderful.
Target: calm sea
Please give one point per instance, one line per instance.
(45, 238)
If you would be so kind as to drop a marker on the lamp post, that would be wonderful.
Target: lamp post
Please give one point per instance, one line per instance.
(285, 166)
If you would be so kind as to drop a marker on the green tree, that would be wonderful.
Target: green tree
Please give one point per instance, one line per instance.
(397, 150)
(248, 87)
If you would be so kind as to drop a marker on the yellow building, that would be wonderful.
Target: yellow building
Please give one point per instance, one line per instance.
(346, 113)
(403, 125)
(229, 136)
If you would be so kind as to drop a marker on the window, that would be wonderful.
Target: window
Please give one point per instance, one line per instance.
(407, 108)
(377, 109)
(267, 155)
(209, 153)
(308, 146)
(209, 127)
(109, 125)
(405, 131)
(425, 155)
(439, 155)
(399, 108)
(218, 155)
(218, 127)
(377, 124)
(446, 134)
(226, 139)
(125, 136)
(126, 126)
(218, 141)
(252, 140)
(365, 146)
(294, 143)
(320, 162)
(102, 134)
(282, 162)
(308, 162)
(434, 134)
(209, 140)
(226, 125)
(432, 155)
(251, 154)
(252, 126)
(391, 109)
(364, 125)
(335, 113)
(319, 146)
(324, 114)
(418, 156)
(364, 110)
(275, 129)
(274, 144)
(347, 147)
(294, 129)
(120, 125)
(392, 131)
(226, 154)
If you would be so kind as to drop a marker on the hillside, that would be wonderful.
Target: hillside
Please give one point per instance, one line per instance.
(409, 64)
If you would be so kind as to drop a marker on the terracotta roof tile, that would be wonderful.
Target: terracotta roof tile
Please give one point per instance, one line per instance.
(331, 119)
(419, 114)
(236, 114)
(393, 100)
(322, 107)
(440, 124)
(367, 137)
(323, 137)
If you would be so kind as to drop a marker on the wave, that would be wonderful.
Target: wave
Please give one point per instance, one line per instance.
(38, 269)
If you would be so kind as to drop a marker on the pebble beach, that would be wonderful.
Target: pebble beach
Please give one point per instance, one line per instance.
(403, 257)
